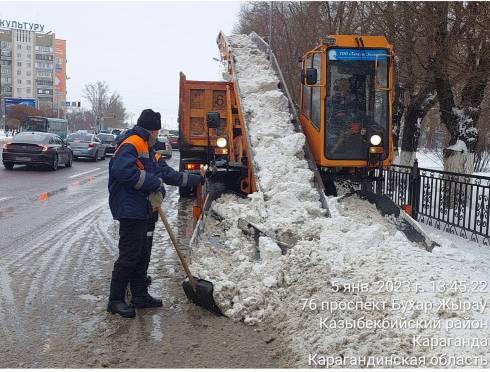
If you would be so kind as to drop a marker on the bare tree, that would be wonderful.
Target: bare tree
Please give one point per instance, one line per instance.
(459, 47)
(84, 119)
(16, 115)
(108, 109)
(441, 48)
(115, 108)
(97, 94)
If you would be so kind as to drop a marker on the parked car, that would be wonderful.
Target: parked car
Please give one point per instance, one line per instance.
(109, 140)
(174, 141)
(163, 146)
(86, 145)
(37, 148)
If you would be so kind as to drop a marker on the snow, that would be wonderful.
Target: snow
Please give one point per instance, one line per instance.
(419, 123)
(459, 146)
(429, 160)
(257, 283)
(3, 135)
(356, 245)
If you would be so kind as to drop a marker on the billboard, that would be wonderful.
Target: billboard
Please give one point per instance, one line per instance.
(60, 67)
(9, 102)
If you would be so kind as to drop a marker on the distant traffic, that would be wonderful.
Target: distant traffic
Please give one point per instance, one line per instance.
(47, 142)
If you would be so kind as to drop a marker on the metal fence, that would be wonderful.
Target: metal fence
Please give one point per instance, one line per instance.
(455, 203)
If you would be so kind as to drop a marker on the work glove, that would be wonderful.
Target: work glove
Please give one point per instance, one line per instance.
(156, 199)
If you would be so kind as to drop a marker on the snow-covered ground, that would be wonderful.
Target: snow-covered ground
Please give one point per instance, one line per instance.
(3, 135)
(429, 160)
(351, 288)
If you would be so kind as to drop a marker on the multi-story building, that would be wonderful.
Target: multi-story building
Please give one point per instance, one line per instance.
(33, 65)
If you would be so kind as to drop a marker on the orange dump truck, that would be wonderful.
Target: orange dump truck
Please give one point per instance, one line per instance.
(212, 133)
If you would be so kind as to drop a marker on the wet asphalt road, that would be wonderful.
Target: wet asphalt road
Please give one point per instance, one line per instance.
(58, 243)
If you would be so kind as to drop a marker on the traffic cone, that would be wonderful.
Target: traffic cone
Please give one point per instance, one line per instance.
(43, 196)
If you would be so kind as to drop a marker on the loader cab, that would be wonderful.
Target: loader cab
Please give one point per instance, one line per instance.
(346, 111)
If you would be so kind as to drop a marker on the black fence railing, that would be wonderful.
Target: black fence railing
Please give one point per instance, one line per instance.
(452, 202)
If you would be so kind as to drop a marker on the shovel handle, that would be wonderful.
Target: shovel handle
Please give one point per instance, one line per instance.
(177, 249)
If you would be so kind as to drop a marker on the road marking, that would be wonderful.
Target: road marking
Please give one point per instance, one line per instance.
(81, 174)
(6, 198)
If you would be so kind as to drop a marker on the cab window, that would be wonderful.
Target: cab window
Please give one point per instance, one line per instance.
(307, 93)
(311, 95)
(315, 92)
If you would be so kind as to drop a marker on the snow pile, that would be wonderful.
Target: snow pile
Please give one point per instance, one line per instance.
(256, 283)
(281, 169)
(459, 146)
(3, 135)
(356, 245)
(288, 207)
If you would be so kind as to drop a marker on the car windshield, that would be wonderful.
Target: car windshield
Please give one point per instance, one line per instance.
(80, 137)
(107, 138)
(37, 138)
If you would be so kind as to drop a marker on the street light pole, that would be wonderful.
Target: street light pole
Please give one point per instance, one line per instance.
(270, 28)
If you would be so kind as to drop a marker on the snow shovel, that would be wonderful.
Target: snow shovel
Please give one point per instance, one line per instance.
(198, 291)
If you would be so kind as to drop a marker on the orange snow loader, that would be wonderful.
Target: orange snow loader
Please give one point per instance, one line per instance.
(346, 107)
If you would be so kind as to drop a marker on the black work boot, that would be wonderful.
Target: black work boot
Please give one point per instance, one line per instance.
(140, 297)
(121, 308)
(146, 301)
(116, 303)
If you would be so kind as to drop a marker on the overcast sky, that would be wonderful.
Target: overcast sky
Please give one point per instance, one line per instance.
(138, 48)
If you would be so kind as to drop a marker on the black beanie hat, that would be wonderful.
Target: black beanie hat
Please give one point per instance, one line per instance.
(150, 120)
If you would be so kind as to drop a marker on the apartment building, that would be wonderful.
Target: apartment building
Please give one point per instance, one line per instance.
(33, 65)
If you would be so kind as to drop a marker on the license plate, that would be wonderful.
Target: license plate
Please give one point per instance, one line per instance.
(21, 158)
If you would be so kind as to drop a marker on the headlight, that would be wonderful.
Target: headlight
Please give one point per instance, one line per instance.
(221, 142)
(375, 140)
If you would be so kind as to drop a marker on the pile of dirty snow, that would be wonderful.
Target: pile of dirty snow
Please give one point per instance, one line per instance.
(281, 169)
(255, 282)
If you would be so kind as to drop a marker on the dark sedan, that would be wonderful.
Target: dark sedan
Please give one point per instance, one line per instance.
(109, 140)
(37, 148)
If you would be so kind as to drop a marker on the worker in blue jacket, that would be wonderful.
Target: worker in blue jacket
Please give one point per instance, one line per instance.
(136, 189)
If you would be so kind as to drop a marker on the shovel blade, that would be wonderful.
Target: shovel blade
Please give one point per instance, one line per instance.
(202, 296)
